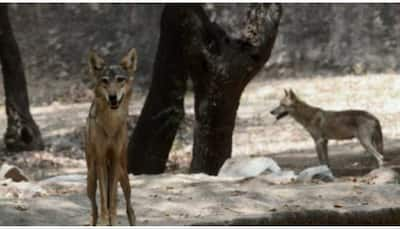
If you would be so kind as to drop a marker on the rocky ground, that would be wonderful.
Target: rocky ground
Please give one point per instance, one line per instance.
(169, 199)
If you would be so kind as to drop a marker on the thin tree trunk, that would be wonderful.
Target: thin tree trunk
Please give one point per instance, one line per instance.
(22, 132)
(163, 110)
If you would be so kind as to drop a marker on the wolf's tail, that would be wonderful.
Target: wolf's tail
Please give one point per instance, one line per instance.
(377, 138)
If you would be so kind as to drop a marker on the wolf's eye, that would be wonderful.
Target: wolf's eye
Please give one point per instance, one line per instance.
(104, 80)
(120, 79)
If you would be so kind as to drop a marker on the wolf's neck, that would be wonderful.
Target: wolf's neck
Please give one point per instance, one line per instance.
(304, 113)
(111, 121)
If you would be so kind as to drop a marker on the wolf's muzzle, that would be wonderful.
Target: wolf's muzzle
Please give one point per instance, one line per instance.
(113, 101)
(279, 113)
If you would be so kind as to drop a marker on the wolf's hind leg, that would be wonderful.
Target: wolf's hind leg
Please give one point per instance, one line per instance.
(366, 142)
(322, 151)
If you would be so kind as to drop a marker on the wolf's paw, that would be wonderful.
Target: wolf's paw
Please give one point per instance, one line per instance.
(104, 222)
(133, 221)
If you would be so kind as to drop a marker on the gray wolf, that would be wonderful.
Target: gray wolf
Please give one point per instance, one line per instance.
(107, 136)
(324, 125)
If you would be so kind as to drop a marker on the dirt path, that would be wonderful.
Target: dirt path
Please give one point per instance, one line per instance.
(199, 199)
(170, 199)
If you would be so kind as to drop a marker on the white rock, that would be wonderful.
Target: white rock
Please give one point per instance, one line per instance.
(321, 172)
(248, 167)
(282, 177)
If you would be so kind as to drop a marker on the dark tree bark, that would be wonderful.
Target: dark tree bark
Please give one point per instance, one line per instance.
(220, 68)
(163, 110)
(22, 132)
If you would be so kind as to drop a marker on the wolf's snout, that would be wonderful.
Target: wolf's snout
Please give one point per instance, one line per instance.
(113, 100)
(279, 113)
(275, 111)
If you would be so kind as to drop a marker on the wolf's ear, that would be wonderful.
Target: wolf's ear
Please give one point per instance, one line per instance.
(292, 95)
(95, 62)
(286, 92)
(129, 61)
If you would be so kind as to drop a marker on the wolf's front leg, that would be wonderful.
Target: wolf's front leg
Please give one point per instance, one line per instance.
(103, 183)
(91, 189)
(126, 188)
(114, 176)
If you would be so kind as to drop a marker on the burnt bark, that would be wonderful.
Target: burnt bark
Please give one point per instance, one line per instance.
(163, 110)
(22, 132)
(220, 68)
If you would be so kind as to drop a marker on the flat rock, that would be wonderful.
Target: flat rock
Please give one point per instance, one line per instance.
(244, 166)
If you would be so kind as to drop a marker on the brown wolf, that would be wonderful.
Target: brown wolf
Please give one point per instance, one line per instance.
(324, 125)
(107, 136)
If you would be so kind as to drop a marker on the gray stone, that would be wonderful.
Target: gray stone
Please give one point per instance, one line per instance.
(321, 173)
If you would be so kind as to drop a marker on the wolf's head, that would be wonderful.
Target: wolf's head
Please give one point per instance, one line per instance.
(113, 82)
(286, 105)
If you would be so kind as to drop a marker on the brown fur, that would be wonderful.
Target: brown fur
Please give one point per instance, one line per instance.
(107, 136)
(339, 125)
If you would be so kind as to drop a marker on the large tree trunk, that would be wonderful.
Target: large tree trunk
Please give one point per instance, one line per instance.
(163, 110)
(220, 68)
(22, 132)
